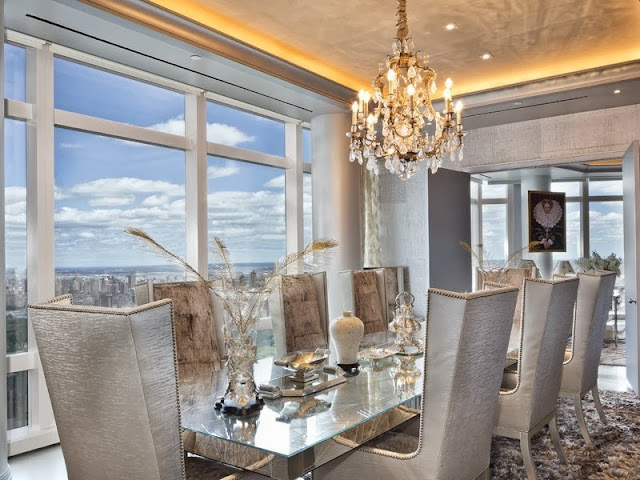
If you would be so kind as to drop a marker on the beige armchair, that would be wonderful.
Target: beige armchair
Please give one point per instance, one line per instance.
(466, 341)
(580, 369)
(111, 375)
(299, 312)
(364, 293)
(197, 337)
(529, 395)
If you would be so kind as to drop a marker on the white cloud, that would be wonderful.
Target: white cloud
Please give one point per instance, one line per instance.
(14, 194)
(112, 201)
(173, 125)
(276, 182)
(155, 201)
(216, 132)
(87, 235)
(117, 187)
(221, 172)
(227, 134)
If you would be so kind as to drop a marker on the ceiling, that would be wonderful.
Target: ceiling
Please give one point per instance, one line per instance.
(302, 59)
(345, 40)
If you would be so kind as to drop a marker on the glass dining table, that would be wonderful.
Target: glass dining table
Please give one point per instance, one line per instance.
(291, 436)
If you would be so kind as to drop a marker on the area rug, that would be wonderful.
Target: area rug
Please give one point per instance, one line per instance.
(616, 451)
(612, 355)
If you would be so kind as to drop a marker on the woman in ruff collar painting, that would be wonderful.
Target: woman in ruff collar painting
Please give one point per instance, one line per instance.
(547, 222)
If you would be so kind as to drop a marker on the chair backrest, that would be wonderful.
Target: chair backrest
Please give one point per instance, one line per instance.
(546, 325)
(194, 325)
(394, 284)
(466, 344)
(299, 312)
(595, 292)
(513, 277)
(111, 376)
(364, 293)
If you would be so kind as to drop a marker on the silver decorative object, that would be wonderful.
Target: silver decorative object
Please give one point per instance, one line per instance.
(405, 326)
(304, 365)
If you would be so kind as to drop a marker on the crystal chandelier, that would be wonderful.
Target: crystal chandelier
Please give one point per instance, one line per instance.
(412, 131)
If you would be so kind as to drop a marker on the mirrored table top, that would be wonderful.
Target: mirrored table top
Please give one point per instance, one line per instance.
(286, 426)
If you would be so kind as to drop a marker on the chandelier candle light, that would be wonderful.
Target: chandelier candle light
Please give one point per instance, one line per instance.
(402, 98)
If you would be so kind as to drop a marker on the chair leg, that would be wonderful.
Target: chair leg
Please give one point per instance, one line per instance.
(525, 447)
(596, 401)
(555, 438)
(580, 417)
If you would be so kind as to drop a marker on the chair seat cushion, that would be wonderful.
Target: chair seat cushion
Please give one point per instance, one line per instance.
(300, 303)
(509, 381)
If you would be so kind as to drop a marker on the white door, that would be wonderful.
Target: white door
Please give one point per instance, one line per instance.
(631, 213)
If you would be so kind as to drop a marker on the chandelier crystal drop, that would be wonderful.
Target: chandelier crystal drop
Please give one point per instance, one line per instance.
(411, 131)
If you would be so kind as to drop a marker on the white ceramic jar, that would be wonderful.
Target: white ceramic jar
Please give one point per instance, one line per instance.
(346, 332)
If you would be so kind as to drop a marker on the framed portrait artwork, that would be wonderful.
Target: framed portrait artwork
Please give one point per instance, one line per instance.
(547, 222)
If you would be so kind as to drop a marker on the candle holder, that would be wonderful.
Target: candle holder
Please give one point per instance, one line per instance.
(405, 326)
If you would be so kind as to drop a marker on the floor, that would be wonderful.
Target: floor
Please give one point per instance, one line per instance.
(47, 463)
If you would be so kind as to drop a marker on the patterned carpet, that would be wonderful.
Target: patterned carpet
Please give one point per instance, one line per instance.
(617, 445)
(612, 355)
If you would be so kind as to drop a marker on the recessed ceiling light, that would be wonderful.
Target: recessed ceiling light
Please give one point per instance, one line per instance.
(196, 58)
(450, 26)
(616, 91)
(517, 103)
(486, 56)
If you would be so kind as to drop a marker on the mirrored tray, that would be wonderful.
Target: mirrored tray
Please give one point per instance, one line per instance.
(377, 353)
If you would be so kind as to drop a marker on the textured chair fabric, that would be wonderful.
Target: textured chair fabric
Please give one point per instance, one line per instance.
(197, 337)
(466, 341)
(529, 396)
(394, 284)
(513, 277)
(364, 294)
(299, 312)
(580, 370)
(111, 375)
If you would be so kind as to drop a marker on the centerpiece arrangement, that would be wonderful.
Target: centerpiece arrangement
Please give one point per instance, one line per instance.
(597, 262)
(242, 305)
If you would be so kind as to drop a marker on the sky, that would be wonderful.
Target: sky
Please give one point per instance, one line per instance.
(103, 185)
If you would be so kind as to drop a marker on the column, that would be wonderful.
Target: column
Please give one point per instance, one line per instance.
(336, 199)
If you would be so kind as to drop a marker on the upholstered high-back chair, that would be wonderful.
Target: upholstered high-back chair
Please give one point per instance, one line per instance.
(299, 312)
(198, 331)
(529, 395)
(364, 293)
(580, 369)
(466, 341)
(394, 284)
(513, 277)
(111, 375)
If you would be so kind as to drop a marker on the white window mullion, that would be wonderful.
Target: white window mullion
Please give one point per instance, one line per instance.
(40, 235)
(196, 182)
(293, 187)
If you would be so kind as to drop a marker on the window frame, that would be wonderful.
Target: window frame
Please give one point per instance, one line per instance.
(43, 118)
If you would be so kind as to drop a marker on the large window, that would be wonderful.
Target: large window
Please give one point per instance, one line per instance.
(247, 211)
(108, 175)
(15, 193)
(494, 238)
(102, 186)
